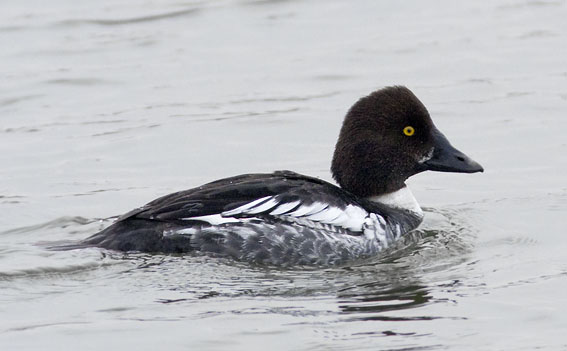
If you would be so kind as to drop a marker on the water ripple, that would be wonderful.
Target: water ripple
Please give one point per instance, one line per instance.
(124, 21)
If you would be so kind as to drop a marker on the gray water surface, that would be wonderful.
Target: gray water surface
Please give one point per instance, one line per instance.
(107, 105)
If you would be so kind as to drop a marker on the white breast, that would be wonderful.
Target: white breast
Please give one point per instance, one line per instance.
(402, 199)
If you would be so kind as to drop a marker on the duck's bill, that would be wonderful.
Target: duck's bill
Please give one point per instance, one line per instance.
(446, 158)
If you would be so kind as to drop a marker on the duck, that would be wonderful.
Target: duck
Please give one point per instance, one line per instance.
(289, 219)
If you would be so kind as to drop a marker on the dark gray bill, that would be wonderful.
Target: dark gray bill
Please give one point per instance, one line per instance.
(448, 159)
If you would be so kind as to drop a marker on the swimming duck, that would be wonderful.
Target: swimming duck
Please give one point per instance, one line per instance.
(285, 218)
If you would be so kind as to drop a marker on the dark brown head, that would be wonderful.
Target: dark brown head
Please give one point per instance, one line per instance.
(387, 137)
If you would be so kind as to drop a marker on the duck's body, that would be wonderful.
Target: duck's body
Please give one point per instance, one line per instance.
(286, 218)
(282, 218)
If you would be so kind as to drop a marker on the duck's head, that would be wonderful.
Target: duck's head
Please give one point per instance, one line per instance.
(387, 137)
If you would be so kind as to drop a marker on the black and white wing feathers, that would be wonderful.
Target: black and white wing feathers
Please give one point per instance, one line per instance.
(280, 195)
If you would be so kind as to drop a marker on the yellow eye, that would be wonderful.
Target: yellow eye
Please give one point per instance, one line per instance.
(409, 131)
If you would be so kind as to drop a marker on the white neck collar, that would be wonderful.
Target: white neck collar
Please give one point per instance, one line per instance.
(401, 199)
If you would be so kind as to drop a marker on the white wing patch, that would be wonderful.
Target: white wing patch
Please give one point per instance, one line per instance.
(307, 210)
(283, 208)
(216, 219)
(328, 215)
(268, 205)
(351, 217)
(244, 208)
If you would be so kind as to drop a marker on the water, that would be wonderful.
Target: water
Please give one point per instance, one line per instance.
(105, 106)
